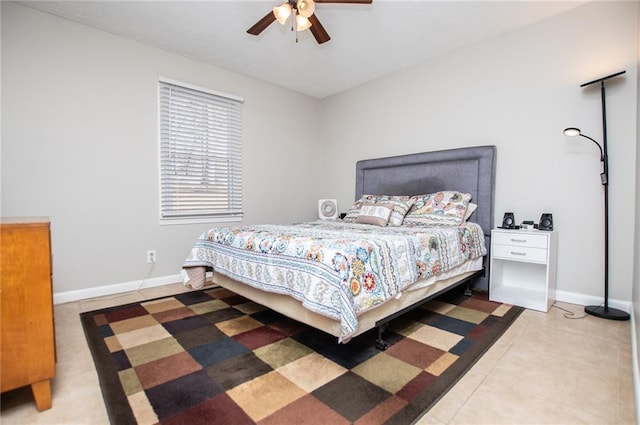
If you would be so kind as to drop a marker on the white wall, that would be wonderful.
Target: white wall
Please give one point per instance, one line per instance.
(519, 91)
(79, 138)
(79, 144)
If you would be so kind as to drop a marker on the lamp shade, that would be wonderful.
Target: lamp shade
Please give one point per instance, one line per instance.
(282, 12)
(306, 7)
(302, 23)
(572, 131)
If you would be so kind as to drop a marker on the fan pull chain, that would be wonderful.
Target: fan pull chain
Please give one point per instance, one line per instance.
(293, 22)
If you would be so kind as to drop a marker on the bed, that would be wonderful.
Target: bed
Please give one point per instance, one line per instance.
(258, 262)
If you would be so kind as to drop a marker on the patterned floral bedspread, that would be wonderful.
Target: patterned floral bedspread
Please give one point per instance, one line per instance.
(336, 268)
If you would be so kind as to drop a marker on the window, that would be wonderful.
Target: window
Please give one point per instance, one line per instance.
(200, 154)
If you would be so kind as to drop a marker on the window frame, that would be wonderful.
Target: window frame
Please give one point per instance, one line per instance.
(169, 216)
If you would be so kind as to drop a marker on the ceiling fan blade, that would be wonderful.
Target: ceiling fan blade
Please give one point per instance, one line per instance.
(262, 24)
(345, 1)
(318, 30)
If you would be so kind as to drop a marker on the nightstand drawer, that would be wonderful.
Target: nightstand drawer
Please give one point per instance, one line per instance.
(520, 239)
(520, 253)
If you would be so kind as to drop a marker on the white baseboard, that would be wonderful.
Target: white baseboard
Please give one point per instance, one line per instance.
(636, 372)
(582, 299)
(100, 291)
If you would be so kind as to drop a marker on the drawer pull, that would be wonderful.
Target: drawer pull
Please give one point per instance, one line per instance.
(518, 253)
(519, 240)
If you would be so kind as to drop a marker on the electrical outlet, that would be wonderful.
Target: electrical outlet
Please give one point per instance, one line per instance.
(151, 256)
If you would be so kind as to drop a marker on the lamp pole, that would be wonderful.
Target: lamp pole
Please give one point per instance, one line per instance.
(603, 311)
(605, 182)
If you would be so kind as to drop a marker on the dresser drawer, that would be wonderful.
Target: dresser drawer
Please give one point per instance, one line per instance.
(520, 253)
(520, 239)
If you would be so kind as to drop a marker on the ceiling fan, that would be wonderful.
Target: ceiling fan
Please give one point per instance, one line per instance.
(304, 17)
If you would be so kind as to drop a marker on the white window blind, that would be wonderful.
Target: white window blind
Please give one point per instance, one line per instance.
(200, 154)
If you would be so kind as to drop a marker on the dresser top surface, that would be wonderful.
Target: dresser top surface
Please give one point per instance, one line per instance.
(24, 220)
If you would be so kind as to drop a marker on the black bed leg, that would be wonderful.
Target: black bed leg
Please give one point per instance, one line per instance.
(468, 292)
(381, 344)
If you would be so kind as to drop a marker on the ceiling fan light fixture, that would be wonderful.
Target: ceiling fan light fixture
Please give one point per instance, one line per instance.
(306, 7)
(302, 23)
(282, 13)
(303, 18)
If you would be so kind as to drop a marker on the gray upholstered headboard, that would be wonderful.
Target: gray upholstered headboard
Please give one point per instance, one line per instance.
(469, 170)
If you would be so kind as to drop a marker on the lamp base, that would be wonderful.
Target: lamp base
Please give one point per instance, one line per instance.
(606, 313)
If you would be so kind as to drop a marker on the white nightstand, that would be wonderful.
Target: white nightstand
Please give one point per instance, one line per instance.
(523, 268)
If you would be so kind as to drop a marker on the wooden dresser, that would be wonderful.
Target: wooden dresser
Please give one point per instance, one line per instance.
(27, 330)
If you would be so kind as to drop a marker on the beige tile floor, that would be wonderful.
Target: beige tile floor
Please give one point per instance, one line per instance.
(546, 369)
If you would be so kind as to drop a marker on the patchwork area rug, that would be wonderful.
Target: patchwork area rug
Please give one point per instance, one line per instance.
(213, 357)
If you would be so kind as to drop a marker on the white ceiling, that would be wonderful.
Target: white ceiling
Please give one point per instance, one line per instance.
(367, 41)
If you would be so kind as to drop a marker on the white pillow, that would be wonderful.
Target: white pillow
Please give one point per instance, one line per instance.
(470, 209)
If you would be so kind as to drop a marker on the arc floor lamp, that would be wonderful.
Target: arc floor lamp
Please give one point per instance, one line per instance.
(603, 311)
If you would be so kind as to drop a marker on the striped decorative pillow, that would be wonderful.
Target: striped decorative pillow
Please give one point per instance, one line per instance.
(377, 214)
(401, 206)
(354, 211)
